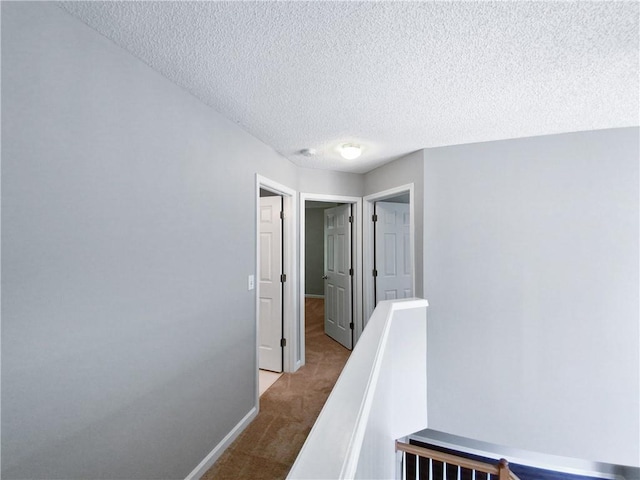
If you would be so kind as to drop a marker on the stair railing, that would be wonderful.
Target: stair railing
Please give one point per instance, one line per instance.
(500, 471)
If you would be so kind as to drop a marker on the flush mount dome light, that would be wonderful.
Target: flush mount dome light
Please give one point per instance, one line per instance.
(350, 151)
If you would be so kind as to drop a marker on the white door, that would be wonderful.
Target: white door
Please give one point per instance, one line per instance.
(337, 284)
(270, 286)
(393, 251)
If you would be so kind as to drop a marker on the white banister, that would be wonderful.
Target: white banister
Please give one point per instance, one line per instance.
(380, 396)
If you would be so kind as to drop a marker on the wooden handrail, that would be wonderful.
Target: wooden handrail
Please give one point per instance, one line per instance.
(501, 469)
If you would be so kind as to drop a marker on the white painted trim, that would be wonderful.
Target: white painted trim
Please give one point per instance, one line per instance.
(367, 260)
(219, 449)
(370, 406)
(291, 363)
(357, 241)
(311, 295)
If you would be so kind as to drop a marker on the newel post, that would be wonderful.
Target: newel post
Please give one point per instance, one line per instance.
(503, 470)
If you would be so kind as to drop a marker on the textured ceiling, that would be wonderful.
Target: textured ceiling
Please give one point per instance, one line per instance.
(393, 76)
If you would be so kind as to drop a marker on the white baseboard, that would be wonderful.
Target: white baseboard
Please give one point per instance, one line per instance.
(219, 449)
(311, 295)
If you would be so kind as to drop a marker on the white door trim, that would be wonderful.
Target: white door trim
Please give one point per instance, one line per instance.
(367, 260)
(357, 277)
(290, 300)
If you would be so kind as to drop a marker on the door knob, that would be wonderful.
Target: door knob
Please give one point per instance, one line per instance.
(324, 277)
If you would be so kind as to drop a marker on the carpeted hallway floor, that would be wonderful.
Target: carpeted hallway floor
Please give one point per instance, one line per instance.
(270, 444)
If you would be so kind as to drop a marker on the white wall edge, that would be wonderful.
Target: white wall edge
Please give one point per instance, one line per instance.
(346, 415)
(407, 303)
(350, 467)
(219, 449)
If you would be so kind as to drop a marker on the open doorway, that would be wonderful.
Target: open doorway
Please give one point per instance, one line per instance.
(393, 278)
(314, 247)
(389, 247)
(275, 279)
(329, 268)
(270, 282)
(330, 233)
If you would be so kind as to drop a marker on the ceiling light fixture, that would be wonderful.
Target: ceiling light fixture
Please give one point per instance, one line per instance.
(350, 151)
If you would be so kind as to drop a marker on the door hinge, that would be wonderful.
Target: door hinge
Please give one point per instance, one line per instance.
(374, 217)
(350, 218)
(283, 342)
(375, 273)
(351, 272)
(351, 326)
(282, 215)
(283, 277)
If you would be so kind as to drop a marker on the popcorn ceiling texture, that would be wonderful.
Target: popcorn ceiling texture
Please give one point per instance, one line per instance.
(393, 76)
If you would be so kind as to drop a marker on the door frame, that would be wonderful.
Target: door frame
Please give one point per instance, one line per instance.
(273, 358)
(289, 267)
(357, 257)
(334, 277)
(369, 233)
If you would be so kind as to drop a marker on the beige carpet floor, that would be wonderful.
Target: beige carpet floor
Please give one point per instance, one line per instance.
(288, 409)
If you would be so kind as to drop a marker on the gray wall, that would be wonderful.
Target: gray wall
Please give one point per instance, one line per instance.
(328, 182)
(314, 251)
(531, 272)
(405, 170)
(128, 232)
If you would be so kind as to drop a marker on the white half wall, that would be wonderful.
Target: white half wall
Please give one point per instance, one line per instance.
(531, 272)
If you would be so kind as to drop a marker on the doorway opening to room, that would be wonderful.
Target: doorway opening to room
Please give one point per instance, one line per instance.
(330, 233)
(270, 285)
(389, 250)
(329, 268)
(275, 282)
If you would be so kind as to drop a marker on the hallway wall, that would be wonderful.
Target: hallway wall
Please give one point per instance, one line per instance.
(531, 272)
(327, 182)
(128, 233)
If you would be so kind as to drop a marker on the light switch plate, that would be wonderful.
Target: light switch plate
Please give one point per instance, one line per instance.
(252, 282)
